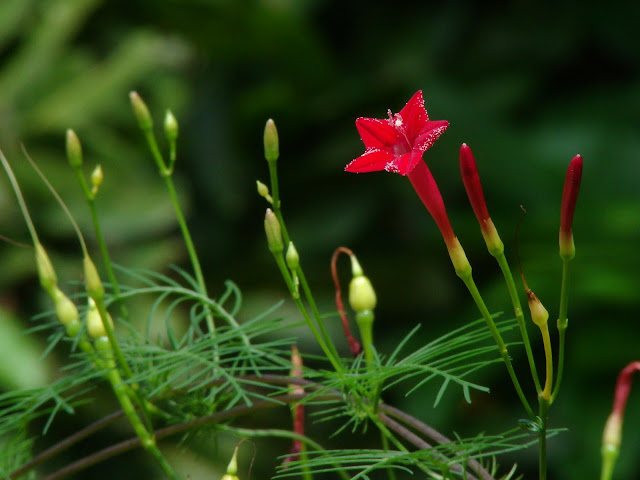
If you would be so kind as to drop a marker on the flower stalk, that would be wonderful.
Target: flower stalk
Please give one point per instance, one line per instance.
(495, 246)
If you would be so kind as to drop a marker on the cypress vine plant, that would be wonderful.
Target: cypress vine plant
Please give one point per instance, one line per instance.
(217, 369)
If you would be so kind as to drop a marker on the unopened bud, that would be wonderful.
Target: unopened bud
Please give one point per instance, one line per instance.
(46, 273)
(292, 257)
(95, 289)
(263, 191)
(232, 468)
(95, 325)
(362, 296)
(472, 185)
(539, 314)
(66, 310)
(569, 198)
(273, 231)
(141, 111)
(74, 149)
(170, 127)
(271, 144)
(96, 179)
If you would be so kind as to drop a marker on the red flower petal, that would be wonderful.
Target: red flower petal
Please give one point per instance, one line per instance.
(372, 160)
(376, 133)
(414, 115)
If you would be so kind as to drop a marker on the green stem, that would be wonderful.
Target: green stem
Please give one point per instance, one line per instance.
(321, 333)
(515, 300)
(147, 439)
(542, 443)
(563, 322)
(385, 446)
(273, 432)
(101, 242)
(329, 351)
(467, 278)
(119, 356)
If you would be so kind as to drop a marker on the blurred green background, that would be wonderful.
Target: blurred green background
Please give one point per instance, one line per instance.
(527, 86)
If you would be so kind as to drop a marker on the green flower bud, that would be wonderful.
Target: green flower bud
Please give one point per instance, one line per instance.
(96, 179)
(232, 468)
(170, 127)
(263, 191)
(141, 111)
(273, 231)
(362, 296)
(74, 149)
(46, 273)
(95, 325)
(271, 144)
(539, 314)
(102, 344)
(95, 289)
(292, 257)
(66, 310)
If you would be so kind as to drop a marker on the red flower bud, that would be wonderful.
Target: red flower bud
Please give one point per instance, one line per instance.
(472, 185)
(612, 434)
(569, 199)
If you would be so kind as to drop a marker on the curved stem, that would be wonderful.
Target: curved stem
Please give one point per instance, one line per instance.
(517, 307)
(502, 348)
(563, 322)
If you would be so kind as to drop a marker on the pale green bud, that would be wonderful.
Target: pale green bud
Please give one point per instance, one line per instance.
(292, 257)
(170, 127)
(95, 289)
(66, 310)
(141, 111)
(232, 468)
(539, 314)
(271, 144)
(362, 296)
(74, 149)
(46, 273)
(263, 191)
(96, 179)
(95, 325)
(273, 231)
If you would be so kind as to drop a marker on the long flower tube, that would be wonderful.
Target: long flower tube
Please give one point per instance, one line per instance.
(397, 144)
(473, 187)
(570, 192)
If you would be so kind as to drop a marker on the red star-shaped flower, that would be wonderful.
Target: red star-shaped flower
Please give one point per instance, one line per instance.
(396, 144)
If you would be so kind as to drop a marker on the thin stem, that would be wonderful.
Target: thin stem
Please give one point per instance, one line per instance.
(146, 438)
(562, 324)
(135, 442)
(415, 440)
(502, 348)
(542, 443)
(21, 202)
(65, 444)
(166, 173)
(515, 300)
(273, 432)
(548, 356)
(385, 446)
(106, 259)
(328, 349)
(433, 434)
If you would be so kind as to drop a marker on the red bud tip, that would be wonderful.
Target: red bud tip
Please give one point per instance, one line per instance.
(472, 184)
(569, 199)
(623, 387)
